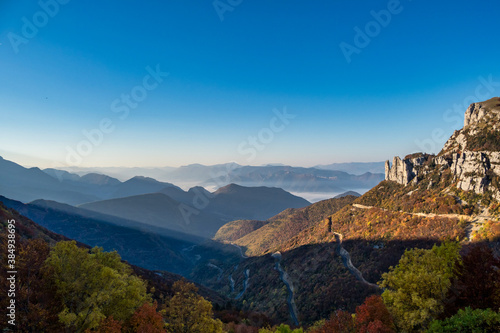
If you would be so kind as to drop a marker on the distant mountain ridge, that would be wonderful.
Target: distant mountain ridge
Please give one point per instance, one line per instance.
(296, 179)
(335, 178)
(26, 185)
(354, 168)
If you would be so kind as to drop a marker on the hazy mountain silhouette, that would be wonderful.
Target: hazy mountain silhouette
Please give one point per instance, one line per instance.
(198, 211)
(295, 179)
(329, 178)
(354, 168)
(28, 184)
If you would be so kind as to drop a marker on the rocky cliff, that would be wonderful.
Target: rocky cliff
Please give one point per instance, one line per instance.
(472, 154)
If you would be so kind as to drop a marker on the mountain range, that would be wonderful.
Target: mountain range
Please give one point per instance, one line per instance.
(271, 251)
(198, 211)
(333, 252)
(28, 184)
(334, 178)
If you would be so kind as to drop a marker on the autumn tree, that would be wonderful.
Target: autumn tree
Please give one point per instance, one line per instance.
(37, 305)
(339, 322)
(93, 286)
(372, 316)
(107, 325)
(416, 288)
(188, 312)
(282, 329)
(146, 320)
(479, 264)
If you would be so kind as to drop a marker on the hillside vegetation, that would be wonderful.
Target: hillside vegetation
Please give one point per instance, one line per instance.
(280, 228)
(62, 286)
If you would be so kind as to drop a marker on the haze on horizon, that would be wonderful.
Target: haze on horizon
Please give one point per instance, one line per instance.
(176, 83)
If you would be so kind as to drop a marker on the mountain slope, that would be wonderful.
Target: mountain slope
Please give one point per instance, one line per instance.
(154, 209)
(26, 229)
(199, 212)
(139, 247)
(425, 200)
(256, 203)
(280, 228)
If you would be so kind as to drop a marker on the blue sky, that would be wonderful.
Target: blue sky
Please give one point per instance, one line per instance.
(404, 89)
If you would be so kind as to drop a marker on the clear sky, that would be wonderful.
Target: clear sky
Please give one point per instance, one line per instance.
(359, 80)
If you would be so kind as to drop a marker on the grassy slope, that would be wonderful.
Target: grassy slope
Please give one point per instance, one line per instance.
(287, 224)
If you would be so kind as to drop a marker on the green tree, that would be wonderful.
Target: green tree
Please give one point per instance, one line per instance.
(93, 286)
(416, 288)
(468, 321)
(188, 312)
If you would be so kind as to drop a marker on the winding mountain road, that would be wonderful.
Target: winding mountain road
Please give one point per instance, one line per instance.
(241, 250)
(285, 278)
(217, 268)
(475, 222)
(346, 259)
(450, 216)
(245, 284)
(231, 280)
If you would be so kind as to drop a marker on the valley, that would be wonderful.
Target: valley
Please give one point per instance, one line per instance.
(234, 166)
(263, 250)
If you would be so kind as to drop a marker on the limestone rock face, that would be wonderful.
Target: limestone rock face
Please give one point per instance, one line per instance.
(473, 169)
(406, 170)
(474, 113)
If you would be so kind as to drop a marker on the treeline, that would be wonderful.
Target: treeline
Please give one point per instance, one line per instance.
(434, 290)
(68, 288)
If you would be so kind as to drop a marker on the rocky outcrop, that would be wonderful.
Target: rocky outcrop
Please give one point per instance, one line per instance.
(406, 170)
(481, 128)
(473, 169)
(474, 113)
